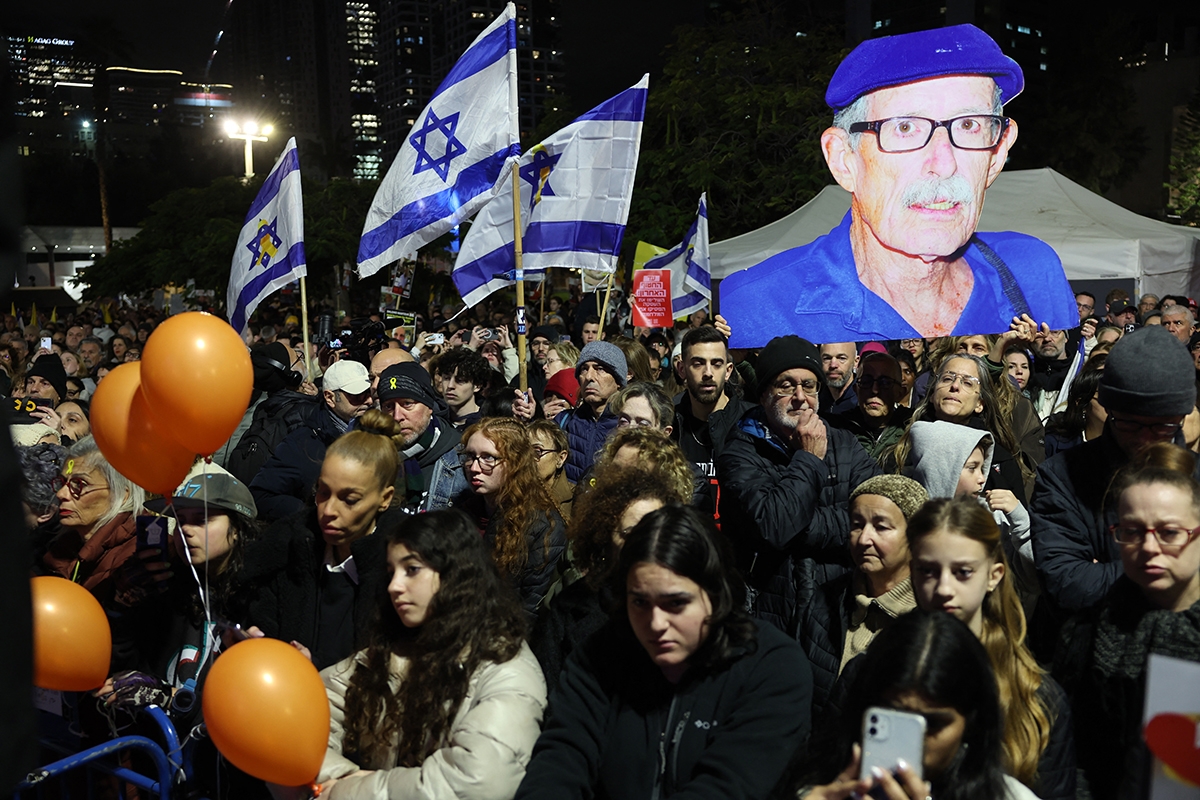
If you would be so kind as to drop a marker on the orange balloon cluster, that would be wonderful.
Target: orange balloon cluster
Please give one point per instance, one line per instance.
(185, 397)
(72, 643)
(266, 711)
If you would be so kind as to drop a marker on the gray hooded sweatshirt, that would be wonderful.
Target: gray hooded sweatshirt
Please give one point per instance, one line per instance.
(939, 451)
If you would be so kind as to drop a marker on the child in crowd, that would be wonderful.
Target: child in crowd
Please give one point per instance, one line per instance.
(954, 461)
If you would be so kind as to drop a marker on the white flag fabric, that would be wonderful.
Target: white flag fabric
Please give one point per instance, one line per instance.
(270, 249)
(691, 278)
(575, 189)
(448, 165)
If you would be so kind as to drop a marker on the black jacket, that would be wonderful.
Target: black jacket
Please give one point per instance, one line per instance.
(274, 418)
(285, 483)
(1101, 665)
(1056, 768)
(547, 542)
(282, 574)
(564, 625)
(1070, 523)
(702, 443)
(786, 513)
(617, 729)
(821, 626)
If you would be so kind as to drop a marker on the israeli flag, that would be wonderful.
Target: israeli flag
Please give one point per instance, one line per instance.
(575, 189)
(270, 249)
(691, 279)
(448, 165)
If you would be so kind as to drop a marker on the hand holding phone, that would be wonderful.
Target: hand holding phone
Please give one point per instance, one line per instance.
(46, 343)
(891, 738)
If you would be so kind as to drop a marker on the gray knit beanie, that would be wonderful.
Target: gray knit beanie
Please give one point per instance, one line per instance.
(907, 494)
(607, 355)
(1149, 373)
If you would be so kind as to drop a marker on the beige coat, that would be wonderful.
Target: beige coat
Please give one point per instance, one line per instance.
(491, 738)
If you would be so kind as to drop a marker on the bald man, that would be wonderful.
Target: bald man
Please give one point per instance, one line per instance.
(382, 360)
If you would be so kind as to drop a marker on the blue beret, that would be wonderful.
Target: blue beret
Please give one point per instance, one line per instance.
(893, 60)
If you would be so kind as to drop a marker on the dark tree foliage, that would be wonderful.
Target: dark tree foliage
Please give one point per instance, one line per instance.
(193, 233)
(1184, 185)
(739, 114)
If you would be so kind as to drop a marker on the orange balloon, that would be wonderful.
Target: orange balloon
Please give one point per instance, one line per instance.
(72, 643)
(266, 711)
(131, 437)
(196, 372)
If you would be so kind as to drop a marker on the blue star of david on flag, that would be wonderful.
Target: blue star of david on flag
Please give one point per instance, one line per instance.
(265, 243)
(453, 149)
(537, 174)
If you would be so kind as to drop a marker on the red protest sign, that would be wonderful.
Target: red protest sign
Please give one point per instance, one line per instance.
(652, 298)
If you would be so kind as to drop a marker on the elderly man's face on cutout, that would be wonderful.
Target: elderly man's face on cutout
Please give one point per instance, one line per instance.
(926, 202)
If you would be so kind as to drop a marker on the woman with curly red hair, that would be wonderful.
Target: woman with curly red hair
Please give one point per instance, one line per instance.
(513, 507)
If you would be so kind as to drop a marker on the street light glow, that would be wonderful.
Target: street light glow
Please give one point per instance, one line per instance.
(250, 127)
(268, 130)
(249, 133)
(231, 126)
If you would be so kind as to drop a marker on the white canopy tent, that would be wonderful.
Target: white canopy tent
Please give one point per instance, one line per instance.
(1095, 239)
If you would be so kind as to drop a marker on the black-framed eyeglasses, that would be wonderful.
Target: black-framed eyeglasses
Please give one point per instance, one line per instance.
(1156, 428)
(487, 461)
(788, 388)
(540, 452)
(1171, 539)
(76, 486)
(881, 382)
(906, 134)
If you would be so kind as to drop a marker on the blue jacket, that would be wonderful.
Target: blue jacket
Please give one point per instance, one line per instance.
(585, 436)
(814, 291)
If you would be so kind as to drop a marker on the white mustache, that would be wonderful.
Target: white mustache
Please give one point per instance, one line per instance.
(955, 189)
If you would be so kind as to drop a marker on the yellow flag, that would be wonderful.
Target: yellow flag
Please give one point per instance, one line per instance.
(54, 314)
(33, 320)
(644, 252)
(107, 314)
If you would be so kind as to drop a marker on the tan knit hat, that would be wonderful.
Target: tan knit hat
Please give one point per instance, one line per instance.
(907, 494)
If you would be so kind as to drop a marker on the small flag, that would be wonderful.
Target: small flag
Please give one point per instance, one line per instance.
(691, 280)
(449, 163)
(575, 189)
(33, 319)
(270, 249)
(54, 314)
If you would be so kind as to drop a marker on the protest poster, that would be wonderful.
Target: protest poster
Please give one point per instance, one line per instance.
(652, 298)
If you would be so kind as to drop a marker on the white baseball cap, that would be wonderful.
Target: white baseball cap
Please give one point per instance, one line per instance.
(348, 376)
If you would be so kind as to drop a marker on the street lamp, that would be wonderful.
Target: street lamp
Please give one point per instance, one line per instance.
(249, 132)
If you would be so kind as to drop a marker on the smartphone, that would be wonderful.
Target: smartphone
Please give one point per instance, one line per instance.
(46, 343)
(491, 334)
(435, 338)
(152, 534)
(889, 736)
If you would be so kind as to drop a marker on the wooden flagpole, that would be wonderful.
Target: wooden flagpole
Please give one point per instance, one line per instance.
(520, 276)
(607, 295)
(304, 327)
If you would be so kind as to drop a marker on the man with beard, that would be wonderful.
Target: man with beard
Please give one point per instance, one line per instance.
(706, 410)
(878, 421)
(918, 135)
(430, 475)
(839, 362)
(601, 371)
(1052, 363)
(786, 478)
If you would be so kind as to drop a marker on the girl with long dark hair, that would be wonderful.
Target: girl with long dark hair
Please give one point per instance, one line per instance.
(681, 692)
(446, 701)
(930, 664)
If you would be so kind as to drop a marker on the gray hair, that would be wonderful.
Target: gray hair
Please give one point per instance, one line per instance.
(857, 112)
(123, 494)
(1176, 310)
(1146, 297)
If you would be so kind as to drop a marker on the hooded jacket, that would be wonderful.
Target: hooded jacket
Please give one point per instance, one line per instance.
(939, 451)
(285, 482)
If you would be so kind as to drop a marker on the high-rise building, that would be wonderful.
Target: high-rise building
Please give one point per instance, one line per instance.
(362, 23)
(50, 78)
(406, 35)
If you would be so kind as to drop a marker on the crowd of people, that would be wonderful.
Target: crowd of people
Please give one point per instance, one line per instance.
(666, 567)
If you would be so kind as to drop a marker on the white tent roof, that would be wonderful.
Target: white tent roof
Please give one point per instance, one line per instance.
(1095, 239)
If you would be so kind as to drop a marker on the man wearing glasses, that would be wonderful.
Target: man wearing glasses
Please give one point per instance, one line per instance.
(918, 135)
(785, 478)
(1148, 387)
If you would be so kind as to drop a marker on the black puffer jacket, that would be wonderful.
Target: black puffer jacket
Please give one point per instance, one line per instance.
(821, 626)
(285, 483)
(1056, 767)
(547, 542)
(786, 513)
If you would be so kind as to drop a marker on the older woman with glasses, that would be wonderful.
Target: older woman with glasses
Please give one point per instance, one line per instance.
(550, 451)
(97, 508)
(1154, 607)
(512, 505)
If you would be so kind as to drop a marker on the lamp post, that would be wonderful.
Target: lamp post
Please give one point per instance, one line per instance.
(248, 132)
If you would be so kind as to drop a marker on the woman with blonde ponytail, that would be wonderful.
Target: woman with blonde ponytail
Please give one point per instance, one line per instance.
(959, 566)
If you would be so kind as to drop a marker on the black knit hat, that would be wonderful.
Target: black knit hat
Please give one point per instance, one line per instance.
(547, 332)
(1150, 374)
(787, 352)
(408, 381)
(50, 367)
